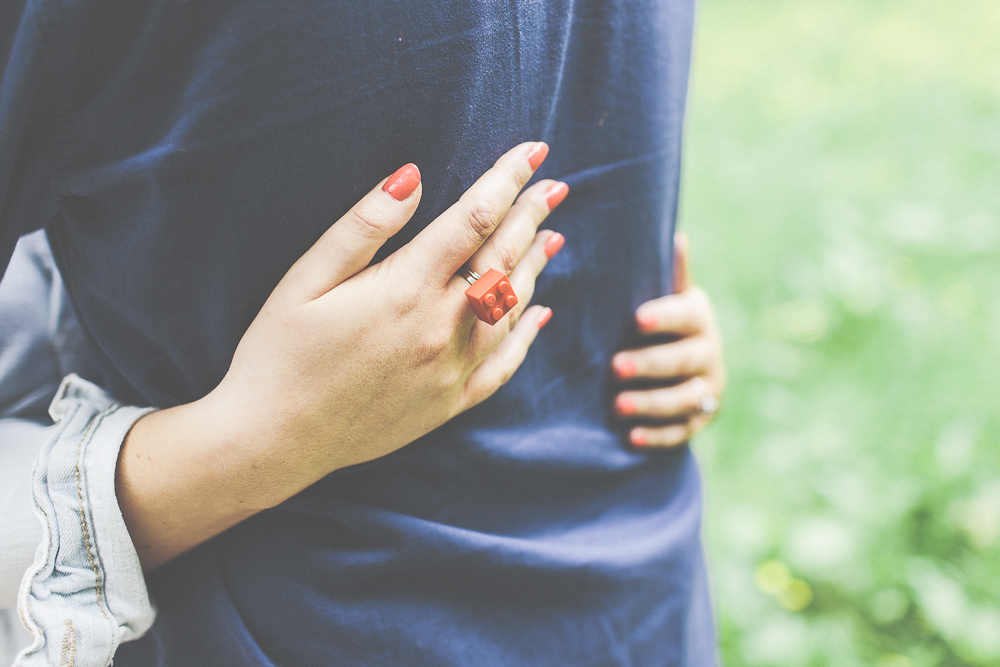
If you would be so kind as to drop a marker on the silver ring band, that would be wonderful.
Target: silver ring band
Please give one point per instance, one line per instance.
(470, 276)
(709, 404)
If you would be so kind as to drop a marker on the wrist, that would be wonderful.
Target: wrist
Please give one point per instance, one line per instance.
(184, 475)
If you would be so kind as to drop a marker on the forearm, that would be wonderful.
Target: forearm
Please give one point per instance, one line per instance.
(188, 473)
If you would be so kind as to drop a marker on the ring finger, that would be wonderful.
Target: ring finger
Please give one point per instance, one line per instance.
(682, 400)
(522, 279)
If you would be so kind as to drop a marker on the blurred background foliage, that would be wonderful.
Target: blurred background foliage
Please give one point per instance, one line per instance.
(842, 194)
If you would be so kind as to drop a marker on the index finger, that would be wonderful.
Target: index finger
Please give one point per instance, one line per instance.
(451, 239)
(684, 314)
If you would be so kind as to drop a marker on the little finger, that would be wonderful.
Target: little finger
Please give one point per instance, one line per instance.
(499, 366)
(662, 436)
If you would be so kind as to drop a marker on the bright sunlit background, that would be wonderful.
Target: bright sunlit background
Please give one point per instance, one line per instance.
(842, 194)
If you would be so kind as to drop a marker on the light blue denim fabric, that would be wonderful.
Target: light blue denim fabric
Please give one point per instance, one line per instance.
(84, 592)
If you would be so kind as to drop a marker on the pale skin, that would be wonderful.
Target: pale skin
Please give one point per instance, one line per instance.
(344, 363)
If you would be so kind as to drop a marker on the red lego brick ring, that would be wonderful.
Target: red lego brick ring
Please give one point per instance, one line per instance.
(491, 295)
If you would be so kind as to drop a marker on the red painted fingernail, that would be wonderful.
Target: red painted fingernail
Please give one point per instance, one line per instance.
(556, 194)
(624, 367)
(639, 438)
(544, 319)
(626, 406)
(554, 245)
(646, 321)
(402, 184)
(536, 156)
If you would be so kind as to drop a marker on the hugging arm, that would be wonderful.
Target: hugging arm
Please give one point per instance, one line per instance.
(343, 364)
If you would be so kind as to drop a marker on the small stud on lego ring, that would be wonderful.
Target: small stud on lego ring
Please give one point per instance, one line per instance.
(490, 295)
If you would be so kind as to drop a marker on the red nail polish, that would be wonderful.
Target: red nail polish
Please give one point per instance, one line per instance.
(536, 156)
(544, 319)
(626, 406)
(556, 194)
(554, 245)
(625, 368)
(639, 438)
(402, 183)
(647, 321)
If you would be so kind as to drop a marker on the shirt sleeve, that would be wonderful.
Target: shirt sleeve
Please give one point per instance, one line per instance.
(81, 584)
(85, 592)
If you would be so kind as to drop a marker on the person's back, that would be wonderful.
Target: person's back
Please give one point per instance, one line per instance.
(198, 149)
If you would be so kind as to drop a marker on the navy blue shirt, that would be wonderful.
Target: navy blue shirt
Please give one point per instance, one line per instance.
(182, 155)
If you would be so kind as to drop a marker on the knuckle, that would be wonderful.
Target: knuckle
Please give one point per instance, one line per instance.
(701, 303)
(432, 346)
(688, 361)
(483, 216)
(507, 257)
(505, 376)
(661, 402)
(367, 221)
(516, 168)
(687, 429)
(674, 435)
(450, 377)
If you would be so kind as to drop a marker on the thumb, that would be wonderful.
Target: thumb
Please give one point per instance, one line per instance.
(682, 270)
(348, 246)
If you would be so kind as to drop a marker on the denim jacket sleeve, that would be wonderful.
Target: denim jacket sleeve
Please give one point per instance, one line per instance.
(85, 593)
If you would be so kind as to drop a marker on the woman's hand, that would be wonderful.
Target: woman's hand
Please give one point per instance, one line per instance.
(344, 363)
(687, 374)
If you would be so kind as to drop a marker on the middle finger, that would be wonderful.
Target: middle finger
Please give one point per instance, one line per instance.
(512, 238)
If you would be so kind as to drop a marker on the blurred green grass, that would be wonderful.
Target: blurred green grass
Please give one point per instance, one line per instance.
(842, 193)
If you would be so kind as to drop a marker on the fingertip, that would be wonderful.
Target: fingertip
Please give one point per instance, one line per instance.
(681, 241)
(556, 194)
(537, 154)
(624, 367)
(646, 321)
(403, 182)
(625, 406)
(544, 318)
(638, 437)
(554, 244)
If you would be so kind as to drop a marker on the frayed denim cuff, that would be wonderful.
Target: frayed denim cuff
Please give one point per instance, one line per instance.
(85, 593)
